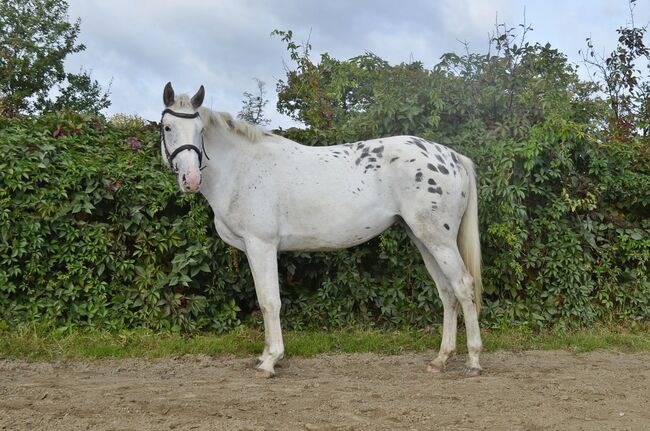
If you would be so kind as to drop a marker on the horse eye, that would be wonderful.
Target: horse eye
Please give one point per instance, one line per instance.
(168, 129)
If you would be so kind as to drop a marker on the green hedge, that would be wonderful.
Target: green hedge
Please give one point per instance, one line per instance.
(93, 233)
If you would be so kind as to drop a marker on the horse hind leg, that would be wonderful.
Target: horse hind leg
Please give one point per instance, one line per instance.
(449, 304)
(449, 328)
(452, 266)
(452, 277)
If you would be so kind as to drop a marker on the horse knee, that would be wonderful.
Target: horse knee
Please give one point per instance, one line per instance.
(270, 306)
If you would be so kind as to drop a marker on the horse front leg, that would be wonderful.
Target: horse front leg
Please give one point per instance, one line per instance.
(263, 261)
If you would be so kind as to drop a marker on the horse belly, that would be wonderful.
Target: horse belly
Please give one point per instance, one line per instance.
(333, 237)
(343, 217)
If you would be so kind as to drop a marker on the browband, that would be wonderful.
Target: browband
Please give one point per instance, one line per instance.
(179, 114)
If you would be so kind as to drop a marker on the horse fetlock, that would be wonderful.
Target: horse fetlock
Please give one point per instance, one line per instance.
(472, 361)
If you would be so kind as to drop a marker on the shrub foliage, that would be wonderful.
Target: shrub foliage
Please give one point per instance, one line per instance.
(94, 233)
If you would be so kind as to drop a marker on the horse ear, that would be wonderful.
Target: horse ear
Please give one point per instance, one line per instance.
(197, 100)
(168, 94)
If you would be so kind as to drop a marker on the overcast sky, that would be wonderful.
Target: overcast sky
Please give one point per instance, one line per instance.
(224, 44)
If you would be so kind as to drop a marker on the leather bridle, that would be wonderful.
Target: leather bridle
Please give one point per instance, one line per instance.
(171, 156)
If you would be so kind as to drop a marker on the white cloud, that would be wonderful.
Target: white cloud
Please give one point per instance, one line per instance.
(224, 44)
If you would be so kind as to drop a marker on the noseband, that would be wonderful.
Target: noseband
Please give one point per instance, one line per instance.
(171, 156)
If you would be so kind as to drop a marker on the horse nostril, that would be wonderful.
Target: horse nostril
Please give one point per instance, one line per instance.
(184, 180)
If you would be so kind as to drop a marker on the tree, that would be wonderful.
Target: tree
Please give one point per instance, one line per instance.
(358, 98)
(253, 108)
(35, 38)
(81, 94)
(620, 76)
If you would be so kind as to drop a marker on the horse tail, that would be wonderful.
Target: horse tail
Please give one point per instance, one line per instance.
(468, 235)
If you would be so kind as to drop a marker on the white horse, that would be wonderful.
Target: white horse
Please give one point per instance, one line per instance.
(271, 194)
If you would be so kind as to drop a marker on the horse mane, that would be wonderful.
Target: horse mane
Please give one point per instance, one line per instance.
(224, 120)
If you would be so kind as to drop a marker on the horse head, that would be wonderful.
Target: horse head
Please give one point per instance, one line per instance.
(181, 137)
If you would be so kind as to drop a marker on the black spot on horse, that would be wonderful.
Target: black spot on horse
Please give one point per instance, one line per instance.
(454, 157)
(378, 150)
(393, 159)
(440, 159)
(421, 146)
(432, 181)
(372, 159)
(418, 177)
(446, 226)
(433, 168)
(443, 170)
(435, 190)
(365, 153)
(462, 194)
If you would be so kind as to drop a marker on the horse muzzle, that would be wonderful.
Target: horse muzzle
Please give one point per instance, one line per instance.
(189, 182)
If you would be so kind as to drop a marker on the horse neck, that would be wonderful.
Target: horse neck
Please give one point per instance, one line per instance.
(219, 145)
(224, 147)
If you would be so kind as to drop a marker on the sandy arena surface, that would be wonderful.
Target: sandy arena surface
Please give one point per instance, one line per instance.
(554, 390)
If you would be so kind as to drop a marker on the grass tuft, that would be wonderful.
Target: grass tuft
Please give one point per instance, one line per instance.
(30, 344)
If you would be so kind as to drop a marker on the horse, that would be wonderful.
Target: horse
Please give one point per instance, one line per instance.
(270, 194)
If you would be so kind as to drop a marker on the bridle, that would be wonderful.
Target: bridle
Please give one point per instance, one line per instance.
(171, 156)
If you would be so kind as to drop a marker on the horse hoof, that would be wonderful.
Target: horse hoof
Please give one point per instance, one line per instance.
(473, 372)
(263, 374)
(435, 369)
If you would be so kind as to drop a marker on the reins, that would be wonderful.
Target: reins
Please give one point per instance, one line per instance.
(172, 156)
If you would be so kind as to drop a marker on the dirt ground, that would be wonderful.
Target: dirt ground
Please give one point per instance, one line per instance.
(554, 390)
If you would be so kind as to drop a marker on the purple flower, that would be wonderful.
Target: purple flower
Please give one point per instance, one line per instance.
(134, 143)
